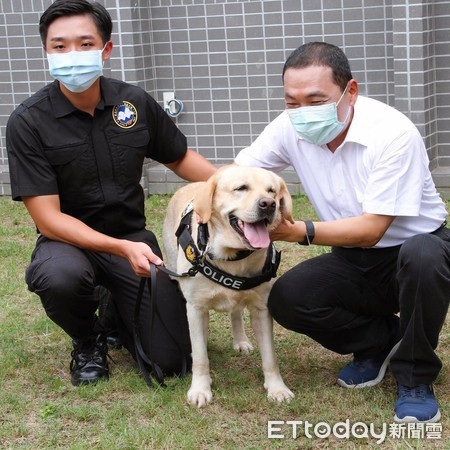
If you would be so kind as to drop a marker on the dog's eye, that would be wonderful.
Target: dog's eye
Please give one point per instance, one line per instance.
(242, 187)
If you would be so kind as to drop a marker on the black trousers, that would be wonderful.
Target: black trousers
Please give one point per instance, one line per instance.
(348, 301)
(65, 278)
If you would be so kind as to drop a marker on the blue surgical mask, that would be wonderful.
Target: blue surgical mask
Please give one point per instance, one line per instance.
(77, 70)
(318, 124)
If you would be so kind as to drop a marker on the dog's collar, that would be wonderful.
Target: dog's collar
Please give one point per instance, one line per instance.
(240, 254)
(197, 257)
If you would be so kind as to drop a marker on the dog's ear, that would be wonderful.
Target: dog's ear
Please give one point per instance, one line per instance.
(203, 199)
(286, 203)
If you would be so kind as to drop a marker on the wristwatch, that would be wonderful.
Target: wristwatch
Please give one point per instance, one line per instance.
(310, 233)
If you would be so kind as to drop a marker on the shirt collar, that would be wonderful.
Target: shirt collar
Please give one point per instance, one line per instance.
(110, 93)
(62, 106)
(358, 131)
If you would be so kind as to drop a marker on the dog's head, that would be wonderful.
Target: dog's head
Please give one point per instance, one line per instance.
(243, 204)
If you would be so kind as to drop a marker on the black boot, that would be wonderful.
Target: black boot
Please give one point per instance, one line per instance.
(89, 361)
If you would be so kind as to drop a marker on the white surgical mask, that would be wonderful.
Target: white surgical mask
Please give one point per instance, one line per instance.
(76, 70)
(318, 124)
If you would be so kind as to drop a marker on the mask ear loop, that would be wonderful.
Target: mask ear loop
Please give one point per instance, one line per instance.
(349, 108)
(103, 49)
(345, 90)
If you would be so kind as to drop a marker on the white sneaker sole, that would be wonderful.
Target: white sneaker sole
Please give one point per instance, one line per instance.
(379, 377)
(412, 419)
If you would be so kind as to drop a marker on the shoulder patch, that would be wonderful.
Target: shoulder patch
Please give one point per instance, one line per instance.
(125, 115)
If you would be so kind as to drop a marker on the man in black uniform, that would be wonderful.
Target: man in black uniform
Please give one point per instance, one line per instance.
(76, 150)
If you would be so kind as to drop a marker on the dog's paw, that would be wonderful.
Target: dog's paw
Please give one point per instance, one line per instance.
(280, 394)
(199, 397)
(243, 347)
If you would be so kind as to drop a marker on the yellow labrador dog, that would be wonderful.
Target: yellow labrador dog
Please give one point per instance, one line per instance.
(223, 240)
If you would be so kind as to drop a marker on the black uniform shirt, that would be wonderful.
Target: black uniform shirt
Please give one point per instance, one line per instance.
(93, 163)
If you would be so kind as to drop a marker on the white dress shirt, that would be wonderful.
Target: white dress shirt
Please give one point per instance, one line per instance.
(380, 168)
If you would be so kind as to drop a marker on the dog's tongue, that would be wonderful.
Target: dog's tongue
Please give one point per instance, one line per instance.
(257, 234)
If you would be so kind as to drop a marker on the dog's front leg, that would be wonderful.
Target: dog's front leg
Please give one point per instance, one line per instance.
(262, 325)
(241, 342)
(200, 391)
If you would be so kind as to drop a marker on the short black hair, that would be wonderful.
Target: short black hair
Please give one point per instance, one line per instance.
(66, 8)
(321, 54)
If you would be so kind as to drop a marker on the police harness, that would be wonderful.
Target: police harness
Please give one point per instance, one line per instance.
(197, 256)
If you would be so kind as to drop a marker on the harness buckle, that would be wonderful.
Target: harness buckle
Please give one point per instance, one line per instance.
(188, 209)
(192, 271)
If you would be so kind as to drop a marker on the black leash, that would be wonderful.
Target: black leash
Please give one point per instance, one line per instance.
(144, 361)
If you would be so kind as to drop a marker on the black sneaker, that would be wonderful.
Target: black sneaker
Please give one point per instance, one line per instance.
(89, 361)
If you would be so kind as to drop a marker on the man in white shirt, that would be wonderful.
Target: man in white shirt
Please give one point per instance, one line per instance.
(364, 167)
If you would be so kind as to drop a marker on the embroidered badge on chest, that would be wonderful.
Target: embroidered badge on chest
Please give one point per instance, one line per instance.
(125, 115)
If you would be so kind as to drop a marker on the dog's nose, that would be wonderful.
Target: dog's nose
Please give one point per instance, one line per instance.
(267, 205)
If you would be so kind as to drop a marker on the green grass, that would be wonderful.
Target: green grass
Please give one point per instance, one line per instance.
(40, 409)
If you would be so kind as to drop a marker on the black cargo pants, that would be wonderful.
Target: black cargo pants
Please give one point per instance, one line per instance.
(65, 278)
(348, 301)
